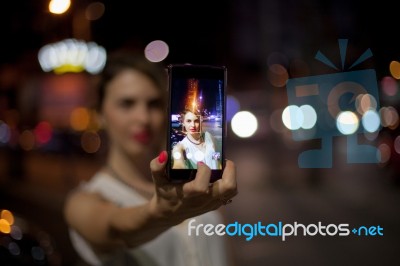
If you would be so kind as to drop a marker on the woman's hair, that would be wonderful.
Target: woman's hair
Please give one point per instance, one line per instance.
(184, 112)
(119, 61)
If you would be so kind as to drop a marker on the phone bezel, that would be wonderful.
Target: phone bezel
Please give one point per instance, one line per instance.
(195, 71)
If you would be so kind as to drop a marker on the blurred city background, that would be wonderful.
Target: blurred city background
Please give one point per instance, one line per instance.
(50, 142)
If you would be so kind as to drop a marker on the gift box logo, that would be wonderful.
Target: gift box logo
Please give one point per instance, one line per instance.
(339, 104)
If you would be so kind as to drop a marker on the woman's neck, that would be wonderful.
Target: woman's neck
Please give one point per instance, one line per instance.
(132, 170)
(195, 136)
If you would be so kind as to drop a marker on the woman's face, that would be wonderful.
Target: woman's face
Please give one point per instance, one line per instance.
(133, 112)
(191, 122)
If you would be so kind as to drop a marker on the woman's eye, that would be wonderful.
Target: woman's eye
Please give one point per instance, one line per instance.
(126, 103)
(155, 103)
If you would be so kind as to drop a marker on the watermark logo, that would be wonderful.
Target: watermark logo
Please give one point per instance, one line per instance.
(282, 230)
(325, 106)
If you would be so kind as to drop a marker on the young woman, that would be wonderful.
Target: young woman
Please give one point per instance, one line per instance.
(128, 213)
(196, 146)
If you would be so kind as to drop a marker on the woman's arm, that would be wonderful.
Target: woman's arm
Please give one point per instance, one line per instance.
(107, 226)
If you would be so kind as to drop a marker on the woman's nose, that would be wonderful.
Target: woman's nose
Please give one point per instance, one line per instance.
(141, 114)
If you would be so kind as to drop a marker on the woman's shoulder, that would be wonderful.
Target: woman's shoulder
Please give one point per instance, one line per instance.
(99, 179)
(91, 188)
(111, 189)
(181, 144)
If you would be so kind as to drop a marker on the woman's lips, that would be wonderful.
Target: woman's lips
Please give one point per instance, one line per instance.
(142, 137)
(193, 130)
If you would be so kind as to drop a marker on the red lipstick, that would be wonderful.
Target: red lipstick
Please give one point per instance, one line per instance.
(142, 137)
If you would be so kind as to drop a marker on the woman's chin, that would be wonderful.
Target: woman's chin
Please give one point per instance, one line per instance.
(138, 148)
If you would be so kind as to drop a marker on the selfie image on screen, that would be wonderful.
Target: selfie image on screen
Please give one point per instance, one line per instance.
(196, 123)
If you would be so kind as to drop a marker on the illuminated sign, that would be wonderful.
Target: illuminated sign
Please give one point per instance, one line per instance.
(72, 55)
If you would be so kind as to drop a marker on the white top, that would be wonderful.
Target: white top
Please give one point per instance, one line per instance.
(194, 154)
(174, 247)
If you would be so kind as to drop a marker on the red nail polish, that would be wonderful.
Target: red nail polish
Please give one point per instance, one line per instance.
(200, 163)
(162, 157)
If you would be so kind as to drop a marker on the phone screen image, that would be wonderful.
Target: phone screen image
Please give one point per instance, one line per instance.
(197, 120)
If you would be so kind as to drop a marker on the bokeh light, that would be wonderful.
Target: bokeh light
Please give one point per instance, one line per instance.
(277, 75)
(8, 216)
(43, 132)
(94, 11)
(394, 68)
(389, 86)
(71, 55)
(244, 124)
(232, 107)
(397, 144)
(5, 227)
(384, 152)
(371, 121)
(38, 253)
(371, 136)
(292, 117)
(389, 117)
(59, 6)
(16, 232)
(156, 51)
(90, 141)
(309, 115)
(347, 122)
(14, 249)
(4, 132)
(365, 102)
(80, 118)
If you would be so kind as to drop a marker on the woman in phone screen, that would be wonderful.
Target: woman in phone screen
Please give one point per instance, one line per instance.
(196, 146)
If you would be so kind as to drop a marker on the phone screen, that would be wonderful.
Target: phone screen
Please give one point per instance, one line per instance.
(196, 120)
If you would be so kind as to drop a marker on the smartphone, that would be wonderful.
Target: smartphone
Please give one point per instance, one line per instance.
(196, 120)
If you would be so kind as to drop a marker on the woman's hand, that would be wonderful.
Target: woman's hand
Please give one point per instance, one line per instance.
(177, 202)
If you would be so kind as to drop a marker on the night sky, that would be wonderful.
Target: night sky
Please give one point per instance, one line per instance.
(208, 89)
(238, 34)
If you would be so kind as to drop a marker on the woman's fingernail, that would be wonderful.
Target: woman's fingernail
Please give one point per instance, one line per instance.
(200, 163)
(162, 157)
